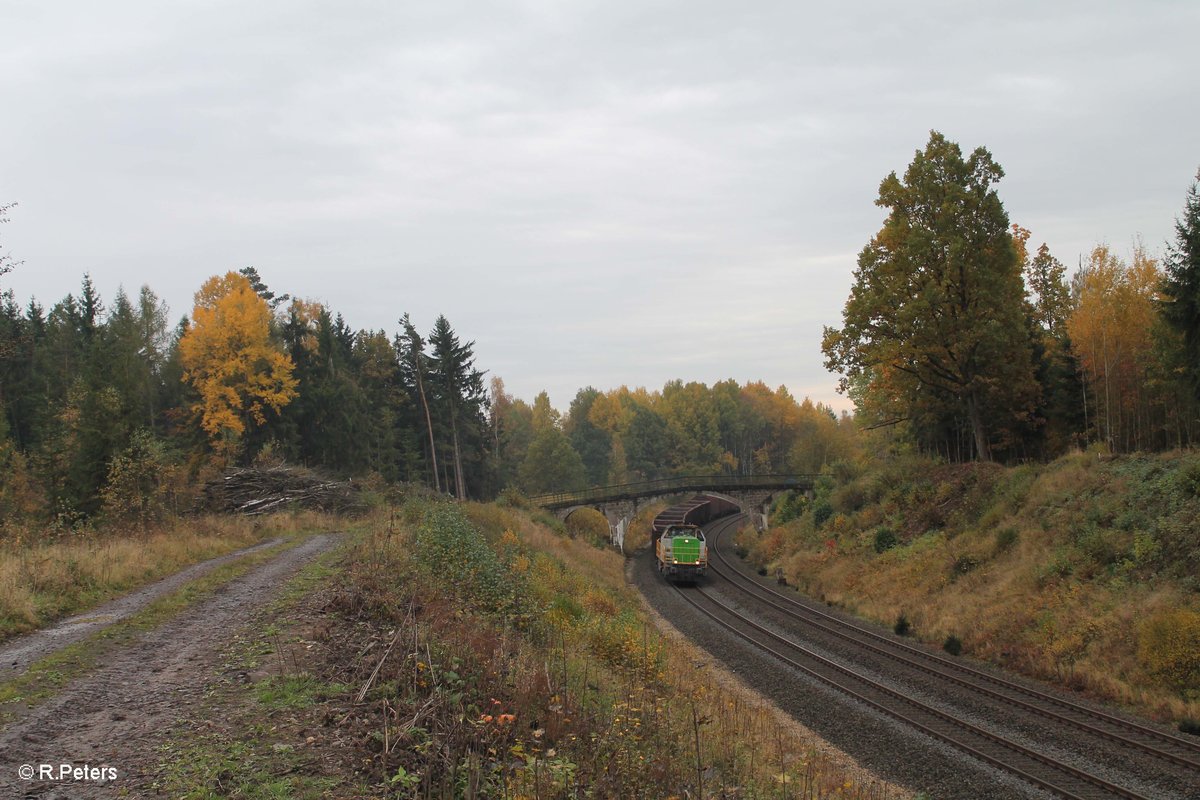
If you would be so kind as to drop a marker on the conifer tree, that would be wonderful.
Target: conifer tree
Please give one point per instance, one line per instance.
(229, 358)
(1181, 287)
(458, 391)
(414, 371)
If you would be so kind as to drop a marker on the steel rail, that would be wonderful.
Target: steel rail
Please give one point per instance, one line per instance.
(942, 667)
(1073, 773)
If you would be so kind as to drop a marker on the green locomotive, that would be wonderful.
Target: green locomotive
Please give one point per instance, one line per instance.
(681, 553)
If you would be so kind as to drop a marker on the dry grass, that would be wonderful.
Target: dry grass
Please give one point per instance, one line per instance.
(748, 724)
(43, 581)
(571, 685)
(1037, 572)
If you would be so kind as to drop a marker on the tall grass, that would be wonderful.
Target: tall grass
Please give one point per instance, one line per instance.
(41, 581)
(567, 688)
(1053, 570)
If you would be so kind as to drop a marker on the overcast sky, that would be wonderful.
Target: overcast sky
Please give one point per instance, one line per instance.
(598, 193)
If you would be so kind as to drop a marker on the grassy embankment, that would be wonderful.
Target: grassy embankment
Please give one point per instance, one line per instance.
(1085, 571)
(479, 651)
(41, 581)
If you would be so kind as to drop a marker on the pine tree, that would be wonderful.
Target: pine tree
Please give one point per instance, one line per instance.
(7, 262)
(260, 288)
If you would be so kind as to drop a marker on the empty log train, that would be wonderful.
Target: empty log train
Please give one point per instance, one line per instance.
(680, 551)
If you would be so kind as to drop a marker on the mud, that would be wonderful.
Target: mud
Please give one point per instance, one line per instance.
(116, 715)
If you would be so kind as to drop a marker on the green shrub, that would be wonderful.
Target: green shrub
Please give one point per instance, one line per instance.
(788, 506)
(1188, 479)
(512, 498)
(1005, 539)
(963, 565)
(952, 645)
(902, 627)
(1191, 726)
(885, 539)
(822, 511)
(451, 549)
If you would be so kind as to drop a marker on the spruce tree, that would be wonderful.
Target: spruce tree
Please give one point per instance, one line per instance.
(458, 390)
(414, 373)
(1181, 287)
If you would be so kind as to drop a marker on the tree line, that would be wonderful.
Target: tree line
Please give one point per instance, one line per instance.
(109, 411)
(107, 405)
(629, 435)
(966, 343)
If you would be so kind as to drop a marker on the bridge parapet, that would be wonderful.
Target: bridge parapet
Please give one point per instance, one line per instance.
(619, 503)
(668, 486)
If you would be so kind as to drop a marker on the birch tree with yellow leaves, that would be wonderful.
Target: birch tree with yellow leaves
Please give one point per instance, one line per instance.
(229, 358)
(1112, 330)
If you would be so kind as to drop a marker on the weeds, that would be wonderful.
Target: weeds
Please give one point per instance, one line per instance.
(559, 688)
(43, 581)
(1079, 555)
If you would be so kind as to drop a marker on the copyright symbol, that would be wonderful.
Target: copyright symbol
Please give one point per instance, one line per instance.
(26, 772)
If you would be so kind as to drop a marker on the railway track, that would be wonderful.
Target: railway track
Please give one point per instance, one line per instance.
(1028, 763)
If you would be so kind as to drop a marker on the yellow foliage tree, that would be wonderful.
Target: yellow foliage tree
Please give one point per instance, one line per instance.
(1111, 330)
(229, 358)
(1169, 648)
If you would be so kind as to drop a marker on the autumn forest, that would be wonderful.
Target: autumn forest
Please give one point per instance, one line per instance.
(962, 338)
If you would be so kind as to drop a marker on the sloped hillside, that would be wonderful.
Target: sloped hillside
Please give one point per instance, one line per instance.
(1084, 571)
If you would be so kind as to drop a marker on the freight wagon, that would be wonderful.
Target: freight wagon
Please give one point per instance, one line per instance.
(699, 510)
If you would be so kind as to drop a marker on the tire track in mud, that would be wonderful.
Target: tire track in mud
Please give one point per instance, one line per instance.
(115, 716)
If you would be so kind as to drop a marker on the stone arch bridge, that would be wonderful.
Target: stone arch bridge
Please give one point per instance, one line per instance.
(619, 503)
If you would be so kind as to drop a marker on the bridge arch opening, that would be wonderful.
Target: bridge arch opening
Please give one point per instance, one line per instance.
(587, 522)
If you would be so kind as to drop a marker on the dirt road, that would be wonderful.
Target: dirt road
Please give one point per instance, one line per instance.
(112, 718)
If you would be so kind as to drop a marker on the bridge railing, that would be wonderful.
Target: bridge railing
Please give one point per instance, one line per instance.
(687, 483)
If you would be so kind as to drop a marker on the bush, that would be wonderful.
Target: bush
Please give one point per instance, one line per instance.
(963, 565)
(952, 645)
(822, 511)
(450, 548)
(789, 506)
(1169, 648)
(513, 498)
(135, 490)
(885, 539)
(1005, 539)
(902, 627)
(1191, 726)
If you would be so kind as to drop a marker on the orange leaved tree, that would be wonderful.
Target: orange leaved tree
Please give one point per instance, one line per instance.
(231, 361)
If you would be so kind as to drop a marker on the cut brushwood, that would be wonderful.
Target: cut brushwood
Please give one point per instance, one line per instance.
(260, 490)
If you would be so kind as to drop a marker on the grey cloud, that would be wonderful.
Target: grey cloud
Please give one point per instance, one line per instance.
(598, 193)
